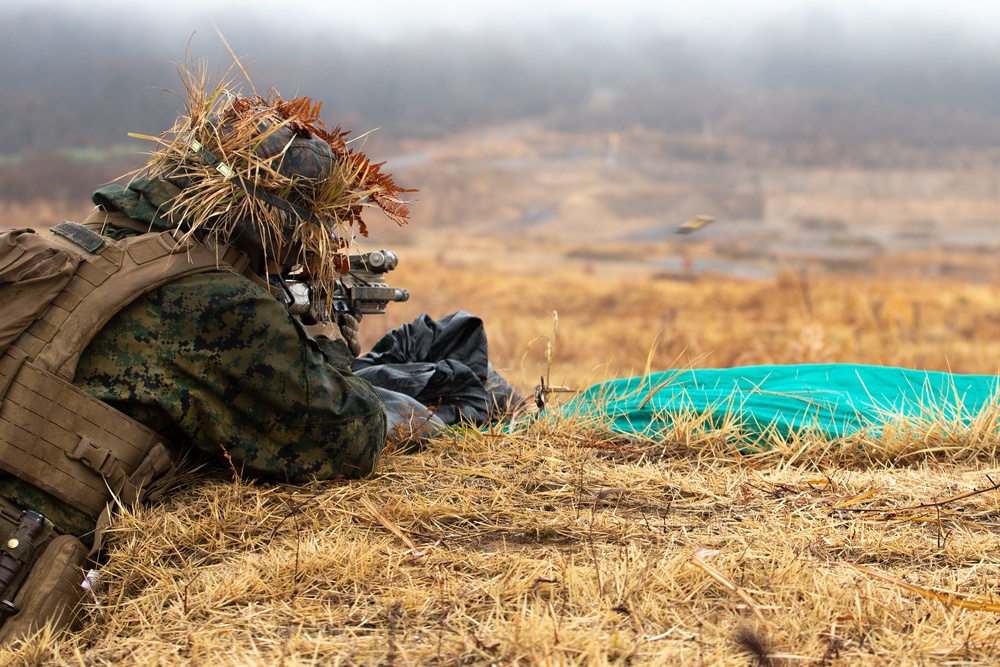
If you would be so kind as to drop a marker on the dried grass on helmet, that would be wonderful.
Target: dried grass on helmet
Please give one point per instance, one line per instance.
(228, 188)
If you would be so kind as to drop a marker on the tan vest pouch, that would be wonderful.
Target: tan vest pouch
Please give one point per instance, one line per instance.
(52, 592)
(66, 442)
(32, 273)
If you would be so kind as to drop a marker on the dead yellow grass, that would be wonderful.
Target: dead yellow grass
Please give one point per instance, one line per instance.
(554, 546)
(557, 543)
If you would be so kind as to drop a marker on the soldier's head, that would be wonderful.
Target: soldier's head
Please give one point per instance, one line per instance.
(265, 174)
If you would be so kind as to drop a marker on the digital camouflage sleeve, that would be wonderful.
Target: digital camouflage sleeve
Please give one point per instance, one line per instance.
(216, 360)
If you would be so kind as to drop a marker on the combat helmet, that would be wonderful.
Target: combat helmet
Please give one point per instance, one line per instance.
(268, 170)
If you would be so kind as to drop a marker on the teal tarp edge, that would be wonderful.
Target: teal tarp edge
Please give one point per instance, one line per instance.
(830, 400)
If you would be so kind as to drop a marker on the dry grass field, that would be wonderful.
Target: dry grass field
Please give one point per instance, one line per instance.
(556, 542)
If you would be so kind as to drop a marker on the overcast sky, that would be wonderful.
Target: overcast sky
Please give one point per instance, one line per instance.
(388, 18)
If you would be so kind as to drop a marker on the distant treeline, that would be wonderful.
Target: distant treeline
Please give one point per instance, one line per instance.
(86, 81)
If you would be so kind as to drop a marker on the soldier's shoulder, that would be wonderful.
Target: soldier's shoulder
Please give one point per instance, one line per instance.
(217, 284)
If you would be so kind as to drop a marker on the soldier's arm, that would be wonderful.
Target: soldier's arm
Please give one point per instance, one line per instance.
(240, 378)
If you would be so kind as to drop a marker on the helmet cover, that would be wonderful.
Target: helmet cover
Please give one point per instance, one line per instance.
(267, 169)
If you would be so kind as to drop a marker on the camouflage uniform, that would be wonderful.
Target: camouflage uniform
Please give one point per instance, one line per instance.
(216, 359)
(213, 360)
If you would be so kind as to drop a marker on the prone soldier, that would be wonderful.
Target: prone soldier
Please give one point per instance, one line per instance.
(160, 323)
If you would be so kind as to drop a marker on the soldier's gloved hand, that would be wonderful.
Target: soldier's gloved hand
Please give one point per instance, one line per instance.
(350, 324)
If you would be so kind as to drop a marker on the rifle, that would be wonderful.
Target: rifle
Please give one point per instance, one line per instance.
(362, 289)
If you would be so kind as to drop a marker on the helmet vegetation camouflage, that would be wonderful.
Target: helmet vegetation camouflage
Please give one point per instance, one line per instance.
(268, 170)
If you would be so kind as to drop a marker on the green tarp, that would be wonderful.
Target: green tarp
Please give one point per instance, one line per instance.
(829, 400)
